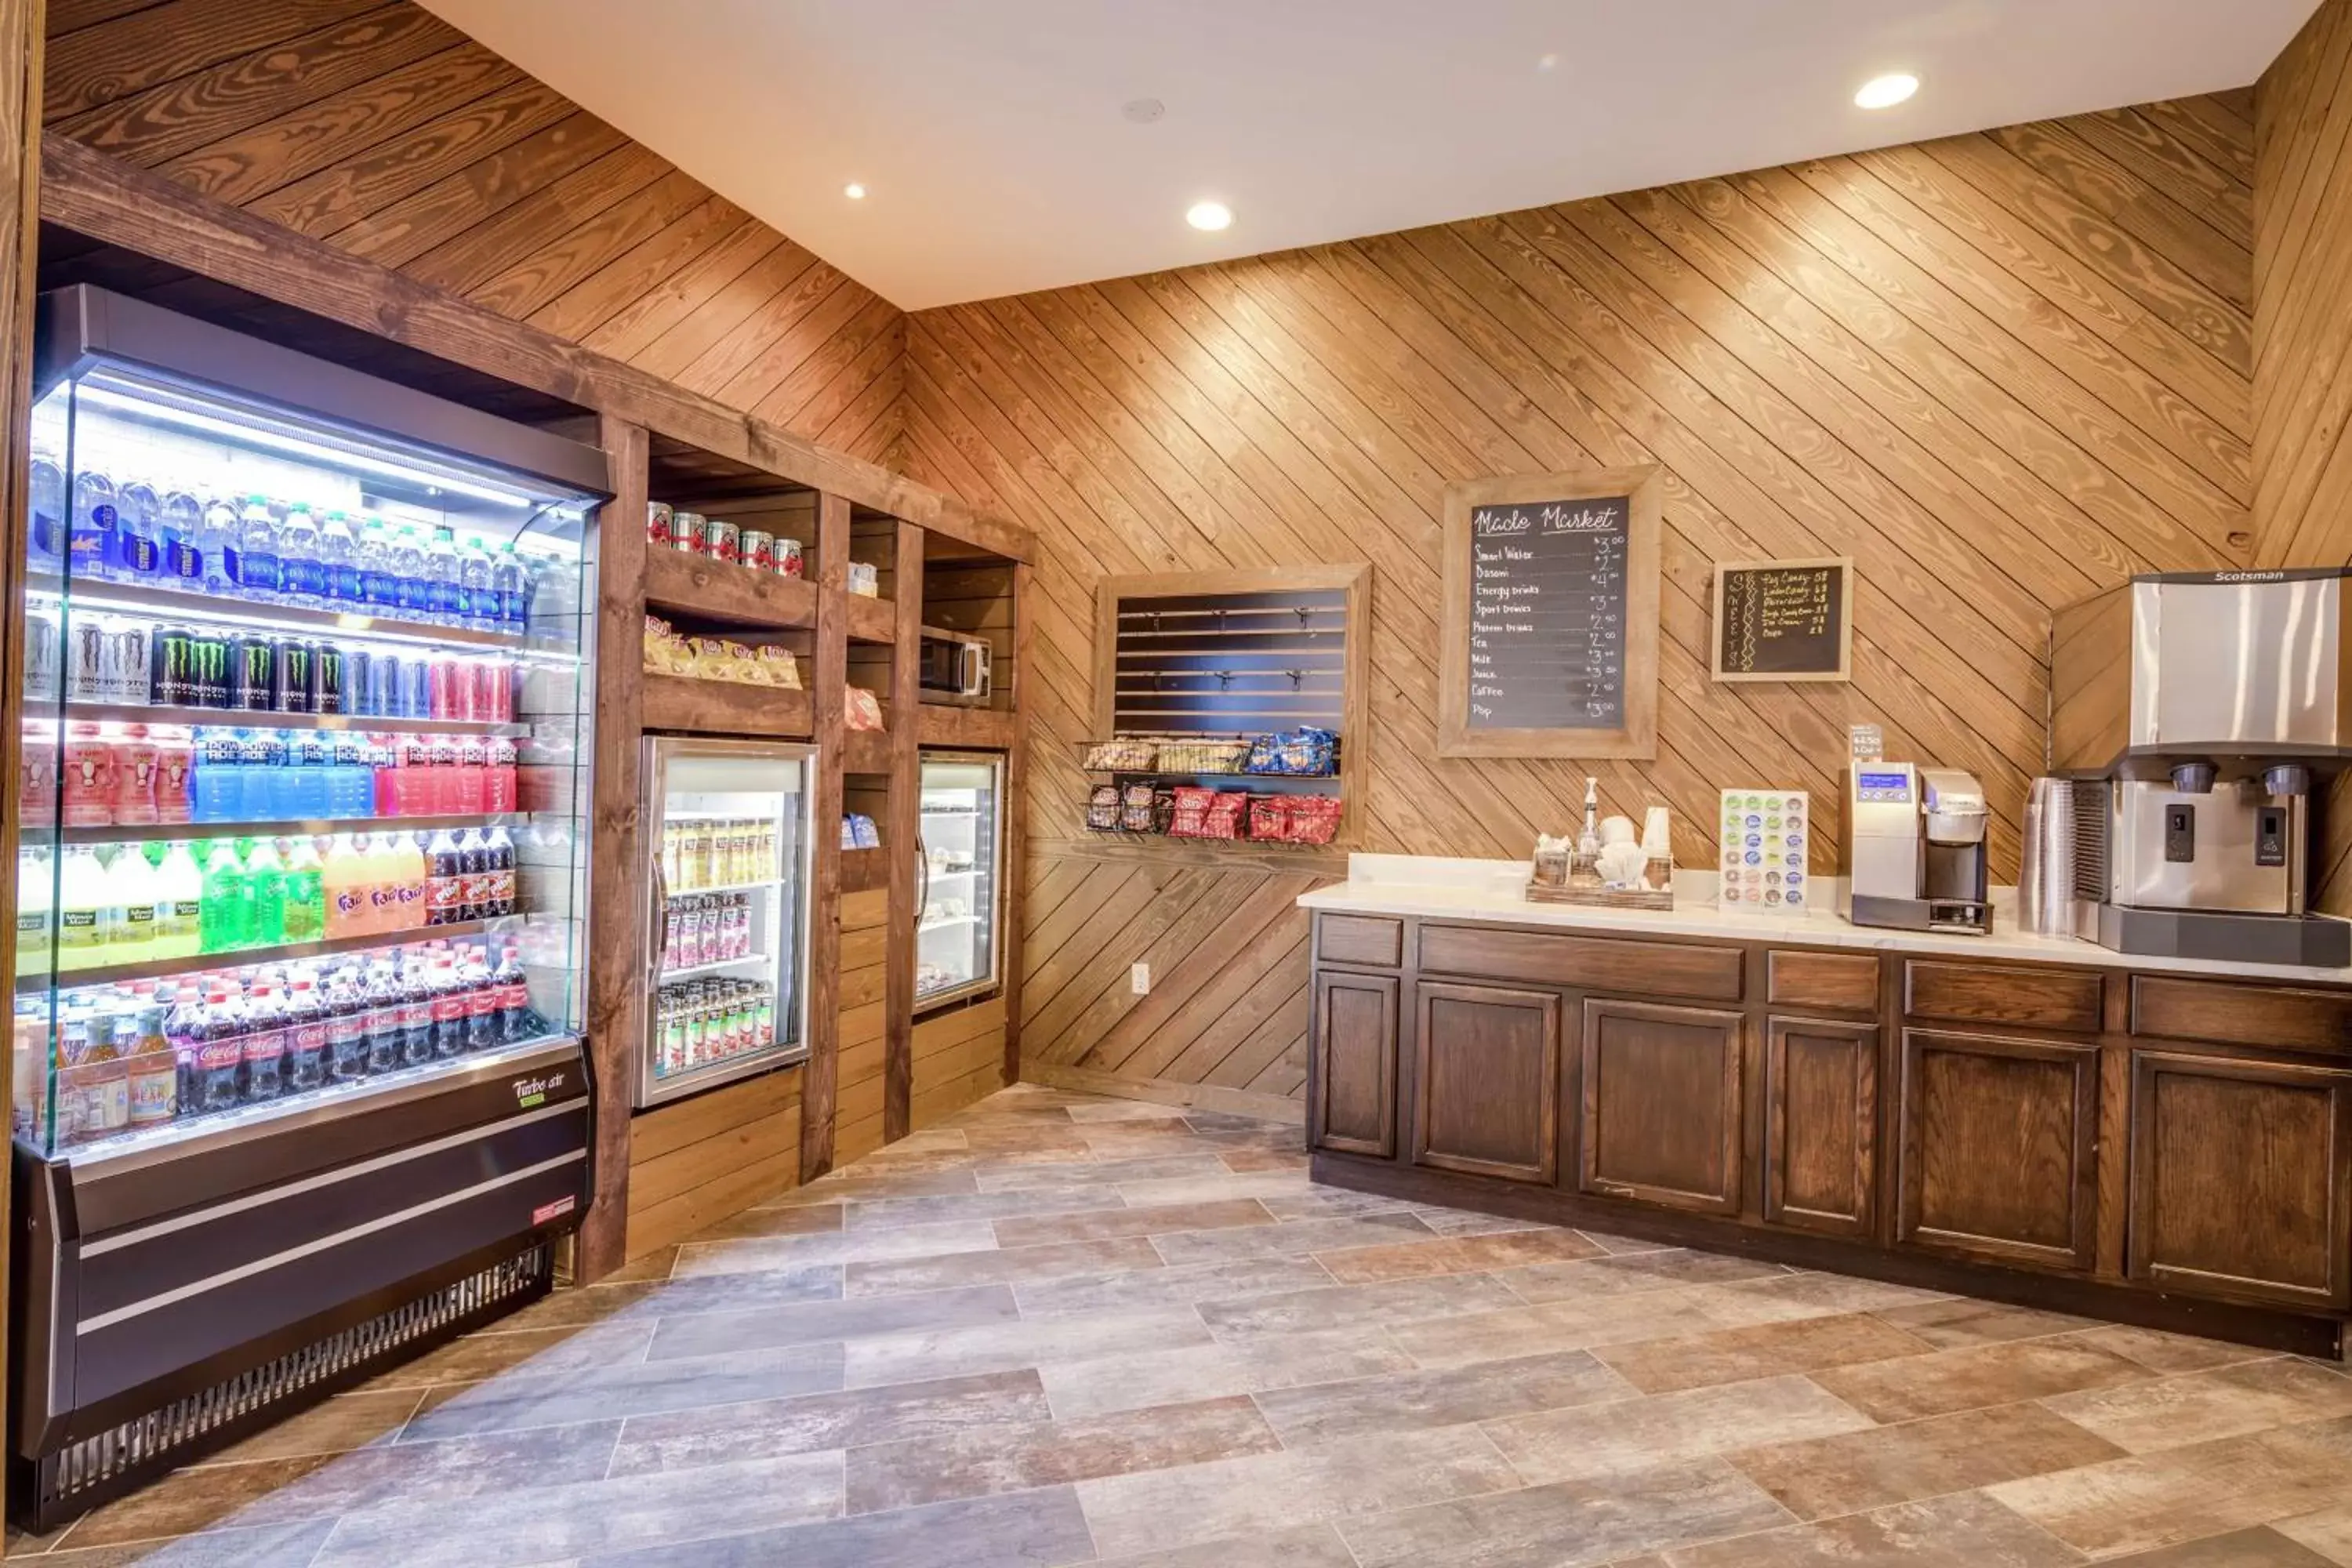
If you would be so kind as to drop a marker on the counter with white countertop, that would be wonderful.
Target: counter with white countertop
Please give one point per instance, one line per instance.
(1435, 888)
(2024, 1117)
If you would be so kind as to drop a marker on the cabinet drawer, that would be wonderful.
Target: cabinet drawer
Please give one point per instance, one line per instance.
(2263, 1015)
(2001, 993)
(1360, 939)
(1847, 981)
(1652, 968)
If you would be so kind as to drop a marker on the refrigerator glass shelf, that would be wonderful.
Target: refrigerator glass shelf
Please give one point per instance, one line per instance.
(305, 827)
(247, 957)
(943, 921)
(248, 718)
(716, 966)
(96, 594)
(727, 1066)
(760, 886)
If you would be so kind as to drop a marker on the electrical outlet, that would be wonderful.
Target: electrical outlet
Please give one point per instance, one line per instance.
(1139, 979)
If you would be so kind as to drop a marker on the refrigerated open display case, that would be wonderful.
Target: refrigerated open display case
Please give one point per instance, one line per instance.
(727, 923)
(302, 882)
(958, 867)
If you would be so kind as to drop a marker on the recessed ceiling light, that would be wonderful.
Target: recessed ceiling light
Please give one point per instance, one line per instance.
(1144, 110)
(1886, 91)
(1547, 62)
(1210, 215)
(854, 191)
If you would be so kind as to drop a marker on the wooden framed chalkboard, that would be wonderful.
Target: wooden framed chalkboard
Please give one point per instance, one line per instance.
(1549, 625)
(1784, 620)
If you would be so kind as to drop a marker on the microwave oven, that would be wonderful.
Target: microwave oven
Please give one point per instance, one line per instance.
(954, 668)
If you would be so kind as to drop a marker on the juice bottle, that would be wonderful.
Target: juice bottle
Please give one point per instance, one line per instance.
(34, 906)
(179, 904)
(342, 882)
(135, 763)
(176, 756)
(266, 875)
(126, 918)
(86, 774)
(306, 1037)
(306, 906)
(411, 877)
(226, 922)
(81, 894)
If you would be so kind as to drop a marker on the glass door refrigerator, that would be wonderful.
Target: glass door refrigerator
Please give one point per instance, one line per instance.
(298, 1069)
(958, 867)
(727, 924)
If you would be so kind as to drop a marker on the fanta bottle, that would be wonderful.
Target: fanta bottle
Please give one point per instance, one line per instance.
(342, 881)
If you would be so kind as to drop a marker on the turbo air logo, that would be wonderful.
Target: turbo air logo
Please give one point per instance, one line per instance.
(531, 1091)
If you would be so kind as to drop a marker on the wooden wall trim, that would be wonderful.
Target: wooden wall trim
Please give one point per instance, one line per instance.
(92, 194)
(828, 684)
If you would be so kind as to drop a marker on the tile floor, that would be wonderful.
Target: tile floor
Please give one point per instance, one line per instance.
(1064, 1330)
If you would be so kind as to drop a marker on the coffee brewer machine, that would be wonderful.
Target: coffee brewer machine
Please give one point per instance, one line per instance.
(1914, 849)
(2195, 710)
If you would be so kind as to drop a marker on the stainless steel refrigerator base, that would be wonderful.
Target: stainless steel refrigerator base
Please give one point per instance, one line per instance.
(657, 754)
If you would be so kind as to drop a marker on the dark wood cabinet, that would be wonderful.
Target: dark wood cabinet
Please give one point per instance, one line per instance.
(1999, 1141)
(2242, 1178)
(1658, 1111)
(1354, 1106)
(1821, 1125)
(1486, 1081)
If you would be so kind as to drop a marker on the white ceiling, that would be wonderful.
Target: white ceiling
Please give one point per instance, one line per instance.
(991, 136)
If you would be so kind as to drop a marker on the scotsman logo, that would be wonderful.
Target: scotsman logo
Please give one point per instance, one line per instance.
(2249, 576)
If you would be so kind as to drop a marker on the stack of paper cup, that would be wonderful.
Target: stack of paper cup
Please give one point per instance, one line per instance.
(2045, 877)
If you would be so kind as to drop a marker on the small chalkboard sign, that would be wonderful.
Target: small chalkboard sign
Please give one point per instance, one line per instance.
(1551, 616)
(1784, 620)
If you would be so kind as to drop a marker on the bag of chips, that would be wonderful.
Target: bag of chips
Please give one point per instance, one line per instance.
(1313, 818)
(860, 709)
(1102, 809)
(1136, 809)
(1298, 754)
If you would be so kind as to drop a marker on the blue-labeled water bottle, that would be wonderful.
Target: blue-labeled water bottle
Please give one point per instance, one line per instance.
(138, 543)
(91, 540)
(445, 596)
(378, 586)
(258, 572)
(49, 508)
(338, 558)
(219, 541)
(408, 575)
(179, 530)
(302, 576)
(512, 585)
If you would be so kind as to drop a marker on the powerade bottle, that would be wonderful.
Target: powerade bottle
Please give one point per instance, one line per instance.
(511, 583)
(258, 575)
(407, 560)
(48, 505)
(179, 527)
(302, 575)
(445, 596)
(91, 540)
(219, 756)
(483, 604)
(219, 540)
(338, 559)
(378, 586)
(138, 542)
(265, 791)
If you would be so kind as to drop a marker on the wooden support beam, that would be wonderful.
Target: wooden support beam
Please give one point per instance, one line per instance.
(1016, 817)
(828, 680)
(899, 834)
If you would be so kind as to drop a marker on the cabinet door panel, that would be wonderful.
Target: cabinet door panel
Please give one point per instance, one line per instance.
(1821, 1125)
(2240, 1176)
(1998, 1141)
(1659, 1112)
(1355, 1064)
(1486, 1081)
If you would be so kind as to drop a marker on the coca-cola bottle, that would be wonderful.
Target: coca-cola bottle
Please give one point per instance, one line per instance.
(346, 1028)
(383, 1019)
(517, 1022)
(482, 1030)
(448, 1010)
(415, 1016)
(265, 1044)
(306, 1037)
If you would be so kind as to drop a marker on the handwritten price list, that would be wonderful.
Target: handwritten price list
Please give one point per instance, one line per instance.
(1548, 615)
(1782, 620)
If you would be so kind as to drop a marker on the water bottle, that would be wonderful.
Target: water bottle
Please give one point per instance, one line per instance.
(258, 575)
(407, 559)
(512, 586)
(301, 576)
(219, 542)
(138, 545)
(180, 525)
(338, 559)
(443, 590)
(49, 506)
(481, 606)
(89, 542)
(378, 586)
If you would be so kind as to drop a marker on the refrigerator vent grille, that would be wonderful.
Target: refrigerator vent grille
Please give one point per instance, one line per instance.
(83, 1474)
(2092, 801)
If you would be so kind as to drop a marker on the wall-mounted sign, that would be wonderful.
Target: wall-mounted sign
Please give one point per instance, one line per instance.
(1784, 620)
(1551, 616)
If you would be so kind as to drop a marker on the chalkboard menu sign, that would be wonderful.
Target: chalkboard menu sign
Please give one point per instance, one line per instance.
(1551, 616)
(1784, 620)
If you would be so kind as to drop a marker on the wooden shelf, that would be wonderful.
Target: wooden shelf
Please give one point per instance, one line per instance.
(710, 590)
(872, 620)
(865, 870)
(680, 704)
(982, 729)
(866, 751)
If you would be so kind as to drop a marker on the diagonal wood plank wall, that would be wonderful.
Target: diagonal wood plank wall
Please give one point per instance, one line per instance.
(2001, 371)
(2303, 331)
(383, 131)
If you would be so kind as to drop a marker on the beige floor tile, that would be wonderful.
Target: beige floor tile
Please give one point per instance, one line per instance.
(1966, 1531)
(1957, 1322)
(2198, 1406)
(2180, 1495)
(1734, 1355)
(1880, 1465)
(1568, 1524)
(1456, 1255)
(1949, 1381)
(1635, 1434)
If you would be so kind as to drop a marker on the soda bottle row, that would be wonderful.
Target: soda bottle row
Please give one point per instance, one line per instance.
(708, 928)
(120, 659)
(137, 776)
(136, 1056)
(140, 903)
(253, 549)
(703, 852)
(704, 1022)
